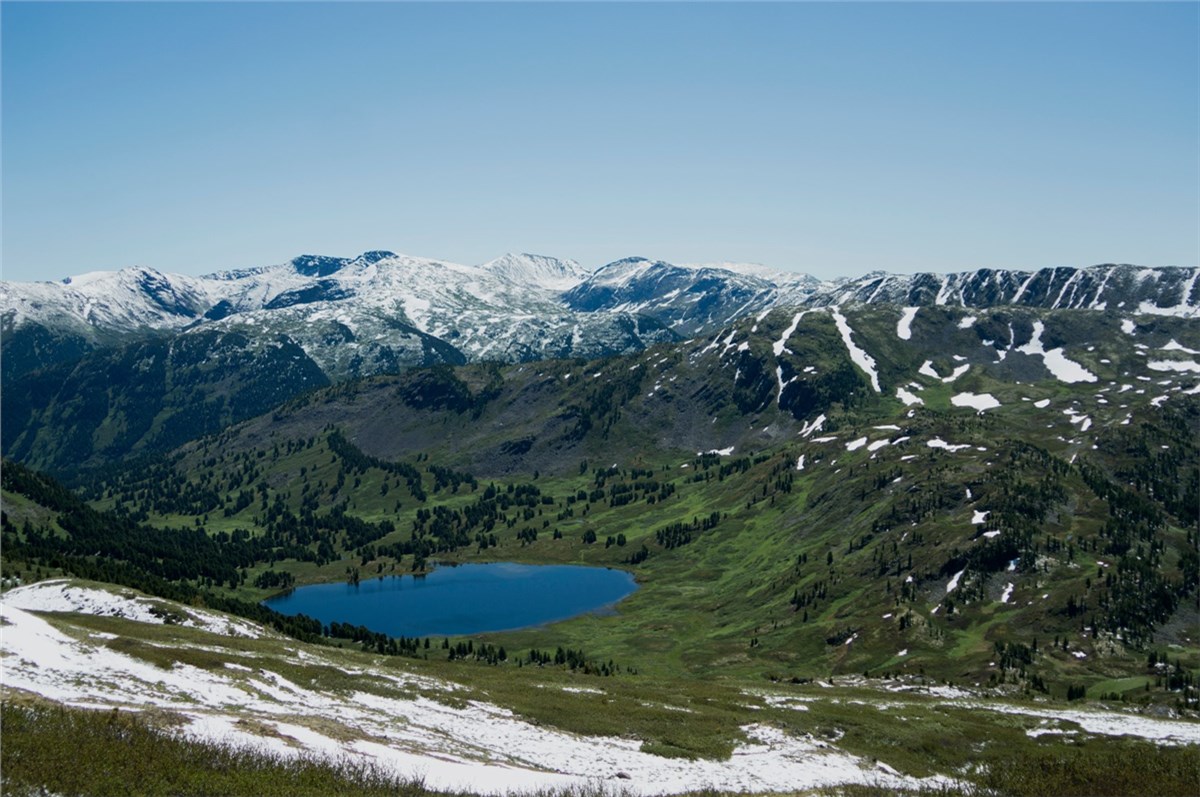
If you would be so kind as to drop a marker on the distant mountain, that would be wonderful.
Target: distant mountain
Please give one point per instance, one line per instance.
(353, 316)
(688, 299)
(332, 319)
(522, 307)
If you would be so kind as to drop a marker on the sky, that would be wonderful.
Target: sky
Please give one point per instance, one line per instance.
(833, 139)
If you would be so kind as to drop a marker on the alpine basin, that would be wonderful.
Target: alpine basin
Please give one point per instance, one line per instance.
(462, 599)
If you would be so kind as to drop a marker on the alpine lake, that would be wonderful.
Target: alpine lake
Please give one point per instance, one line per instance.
(458, 600)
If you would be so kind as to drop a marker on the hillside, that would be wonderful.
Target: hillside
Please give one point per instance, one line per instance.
(946, 510)
(863, 494)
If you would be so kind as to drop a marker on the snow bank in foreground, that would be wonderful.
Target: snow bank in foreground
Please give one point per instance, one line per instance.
(472, 745)
(59, 595)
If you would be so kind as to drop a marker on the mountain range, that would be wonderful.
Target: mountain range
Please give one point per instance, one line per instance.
(379, 310)
(119, 362)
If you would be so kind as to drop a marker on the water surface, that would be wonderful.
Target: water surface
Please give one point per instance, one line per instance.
(462, 599)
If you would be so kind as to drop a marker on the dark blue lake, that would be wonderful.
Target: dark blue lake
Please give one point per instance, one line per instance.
(462, 599)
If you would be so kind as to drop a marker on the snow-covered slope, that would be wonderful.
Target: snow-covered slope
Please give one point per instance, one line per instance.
(548, 273)
(127, 300)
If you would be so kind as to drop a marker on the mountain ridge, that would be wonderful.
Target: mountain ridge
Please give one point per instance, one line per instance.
(196, 344)
(144, 298)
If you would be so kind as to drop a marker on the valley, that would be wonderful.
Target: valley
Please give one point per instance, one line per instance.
(950, 517)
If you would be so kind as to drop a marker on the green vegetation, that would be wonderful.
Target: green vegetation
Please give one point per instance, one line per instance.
(749, 567)
(1020, 557)
(74, 752)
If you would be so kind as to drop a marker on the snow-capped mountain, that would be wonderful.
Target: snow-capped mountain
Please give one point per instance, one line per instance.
(544, 272)
(690, 299)
(103, 301)
(353, 316)
(381, 311)
(136, 359)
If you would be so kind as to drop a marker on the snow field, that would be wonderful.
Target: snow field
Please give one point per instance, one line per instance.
(473, 746)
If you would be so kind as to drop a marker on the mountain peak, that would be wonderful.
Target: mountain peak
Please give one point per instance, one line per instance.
(374, 256)
(635, 260)
(530, 269)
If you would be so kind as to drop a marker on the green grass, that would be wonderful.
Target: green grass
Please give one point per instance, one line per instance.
(75, 752)
(1100, 768)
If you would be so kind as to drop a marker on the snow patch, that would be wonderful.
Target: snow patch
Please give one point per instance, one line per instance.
(981, 401)
(938, 442)
(860, 357)
(778, 345)
(59, 595)
(720, 452)
(815, 426)
(1175, 345)
(1180, 366)
(1061, 368)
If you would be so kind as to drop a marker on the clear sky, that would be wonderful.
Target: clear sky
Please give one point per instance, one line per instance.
(828, 138)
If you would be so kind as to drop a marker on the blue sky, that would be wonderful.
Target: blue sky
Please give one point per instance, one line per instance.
(829, 138)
